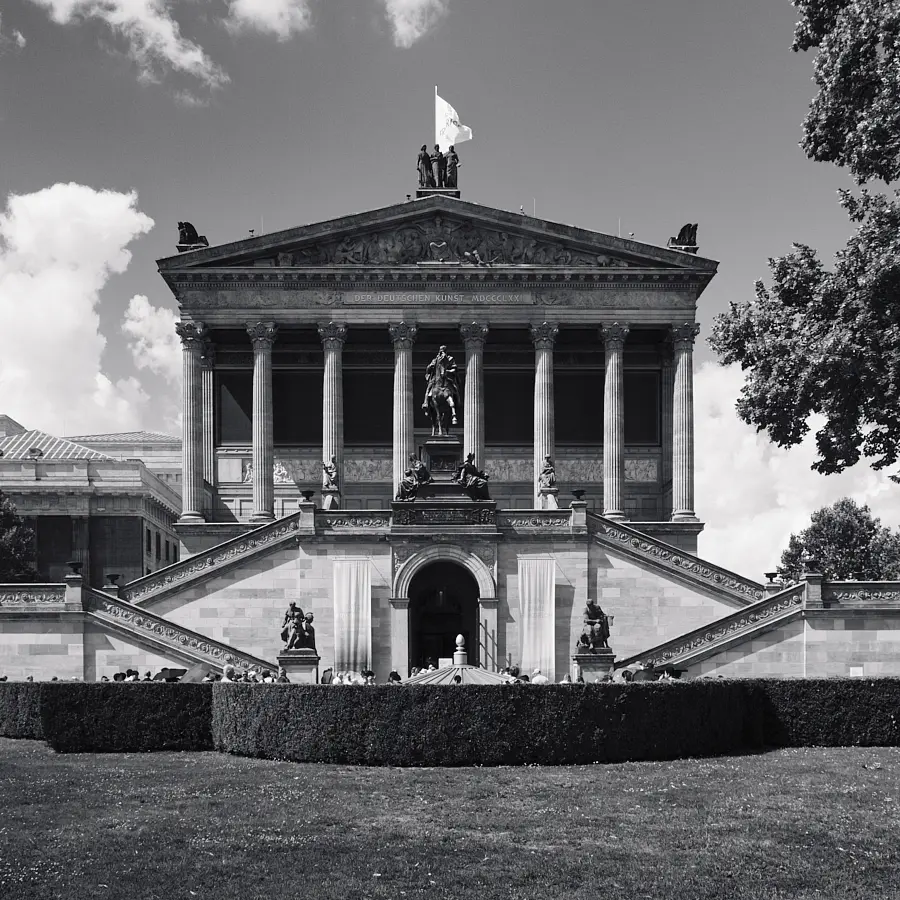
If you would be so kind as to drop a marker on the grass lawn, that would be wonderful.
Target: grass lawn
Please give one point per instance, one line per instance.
(792, 823)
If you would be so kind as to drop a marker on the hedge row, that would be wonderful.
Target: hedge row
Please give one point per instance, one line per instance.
(20, 710)
(460, 725)
(482, 724)
(111, 718)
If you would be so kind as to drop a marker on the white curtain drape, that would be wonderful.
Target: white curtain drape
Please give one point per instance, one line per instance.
(537, 615)
(352, 615)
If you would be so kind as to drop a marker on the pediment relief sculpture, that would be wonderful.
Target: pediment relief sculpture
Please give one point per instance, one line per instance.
(441, 241)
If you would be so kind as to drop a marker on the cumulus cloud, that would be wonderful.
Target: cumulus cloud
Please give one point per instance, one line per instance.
(58, 248)
(413, 19)
(153, 342)
(153, 37)
(281, 18)
(753, 495)
(14, 38)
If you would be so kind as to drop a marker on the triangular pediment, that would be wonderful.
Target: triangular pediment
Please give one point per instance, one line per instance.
(437, 230)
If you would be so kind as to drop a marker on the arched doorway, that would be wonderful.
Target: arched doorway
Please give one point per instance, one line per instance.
(443, 602)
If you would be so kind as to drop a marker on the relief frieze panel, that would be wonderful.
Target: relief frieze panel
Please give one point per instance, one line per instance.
(588, 470)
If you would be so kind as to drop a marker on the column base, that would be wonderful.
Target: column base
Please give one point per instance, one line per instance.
(684, 517)
(300, 666)
(548, 498)
(262, 518)
(331, 499)
(191, 518)
(615, 516)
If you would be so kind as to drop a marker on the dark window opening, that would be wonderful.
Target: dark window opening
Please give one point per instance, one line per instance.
(578, 406)
(368, 407)
(509, 406)
(297, 406)
(642, 407)
(158, 546)
(235, 419)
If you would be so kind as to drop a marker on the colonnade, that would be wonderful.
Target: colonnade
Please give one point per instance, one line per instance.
(198, 450)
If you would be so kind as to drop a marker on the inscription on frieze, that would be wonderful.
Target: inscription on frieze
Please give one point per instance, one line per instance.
(389, 298)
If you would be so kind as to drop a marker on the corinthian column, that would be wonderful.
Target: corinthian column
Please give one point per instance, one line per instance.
(262, 336)
(207, 372)
(683, 423)
(192, 335)
(403, 337)
(473, 336)
(333, 336)
(543, 336)
(613, 421)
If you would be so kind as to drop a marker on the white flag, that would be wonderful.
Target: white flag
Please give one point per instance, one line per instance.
(447, 128)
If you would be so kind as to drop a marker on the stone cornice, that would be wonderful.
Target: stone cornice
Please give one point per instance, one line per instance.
(719, 635)
(675, 562)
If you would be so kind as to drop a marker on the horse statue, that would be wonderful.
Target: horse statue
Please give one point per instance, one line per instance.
(441, 401)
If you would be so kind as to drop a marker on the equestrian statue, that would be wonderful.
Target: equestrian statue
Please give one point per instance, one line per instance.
(441, 393)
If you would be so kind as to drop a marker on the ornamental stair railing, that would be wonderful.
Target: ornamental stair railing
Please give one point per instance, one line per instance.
(164, 636)
(723, 633)
(213, 561)
(670, 560)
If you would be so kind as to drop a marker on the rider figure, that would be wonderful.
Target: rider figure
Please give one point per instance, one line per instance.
(441, 373)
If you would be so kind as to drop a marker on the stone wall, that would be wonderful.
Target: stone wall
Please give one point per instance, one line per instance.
(42, 646)
(776, 653)
(106, 653)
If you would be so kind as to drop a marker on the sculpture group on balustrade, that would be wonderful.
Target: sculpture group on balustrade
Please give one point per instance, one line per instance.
(297, 629)
(437, 170)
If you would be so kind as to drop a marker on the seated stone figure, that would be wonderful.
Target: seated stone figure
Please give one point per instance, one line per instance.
(408, 487)
(473, 480)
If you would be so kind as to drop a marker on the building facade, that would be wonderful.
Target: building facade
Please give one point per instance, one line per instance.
(305, 357)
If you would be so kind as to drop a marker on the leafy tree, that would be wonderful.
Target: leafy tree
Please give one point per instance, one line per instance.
(16, 542)
(846, 542)
(828, 342)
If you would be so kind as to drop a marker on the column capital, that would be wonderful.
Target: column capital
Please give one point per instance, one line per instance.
(192, 334)
(403, 335)
(614, 335)
(544, 335)
(262, 334)
(333, 335)
(473, 335)
(208, 354)
(683, 335)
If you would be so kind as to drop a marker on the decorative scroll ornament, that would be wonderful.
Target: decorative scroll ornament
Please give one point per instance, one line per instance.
(333, 335)
(683, 335)
(412, 515)
(14, 596)
(442, 241)
(544, 335)
(192, 334)
(262, 334)
(473, 335)
(403, 335)
(614, 336)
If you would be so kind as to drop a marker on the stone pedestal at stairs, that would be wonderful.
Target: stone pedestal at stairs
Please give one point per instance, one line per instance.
(300, 666)
(594, 664)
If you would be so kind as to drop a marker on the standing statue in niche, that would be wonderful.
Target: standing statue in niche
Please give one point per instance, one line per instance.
(423, 166)
(441, 393)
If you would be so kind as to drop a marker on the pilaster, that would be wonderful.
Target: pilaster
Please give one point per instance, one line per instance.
(192, 336)
(614, 421)
(400, 635)
(473, 336)
(543, 336)
(403, 336)
(207, 377)
(683, 423)
(262, 336)
(667, 370)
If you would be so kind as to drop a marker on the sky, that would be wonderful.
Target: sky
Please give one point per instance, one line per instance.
(119, 118)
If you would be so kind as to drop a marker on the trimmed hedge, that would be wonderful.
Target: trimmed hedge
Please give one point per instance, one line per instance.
(20, 710)
(118, 718)
(827, 712)
(484, 724)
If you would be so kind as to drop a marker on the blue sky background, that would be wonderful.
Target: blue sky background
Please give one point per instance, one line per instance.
(657, 113)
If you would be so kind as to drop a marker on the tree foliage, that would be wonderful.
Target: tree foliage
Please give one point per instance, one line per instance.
(828, 342)
(16, 543)
(846, 542)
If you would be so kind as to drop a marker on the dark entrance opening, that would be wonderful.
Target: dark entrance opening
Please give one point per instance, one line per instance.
(443, 602)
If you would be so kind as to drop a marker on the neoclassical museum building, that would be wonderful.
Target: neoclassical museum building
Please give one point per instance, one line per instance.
(524, 386)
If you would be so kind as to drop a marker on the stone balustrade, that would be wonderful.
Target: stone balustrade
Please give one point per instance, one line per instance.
(32, 596)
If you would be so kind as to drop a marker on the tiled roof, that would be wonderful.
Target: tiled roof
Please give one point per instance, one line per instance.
(128, 437)
(17, 446)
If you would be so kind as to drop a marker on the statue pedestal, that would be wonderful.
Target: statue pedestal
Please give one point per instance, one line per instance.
(549, 498)
(594, 664)
(437, 192)
(443, 457)
(331, 499)
(300, 666)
